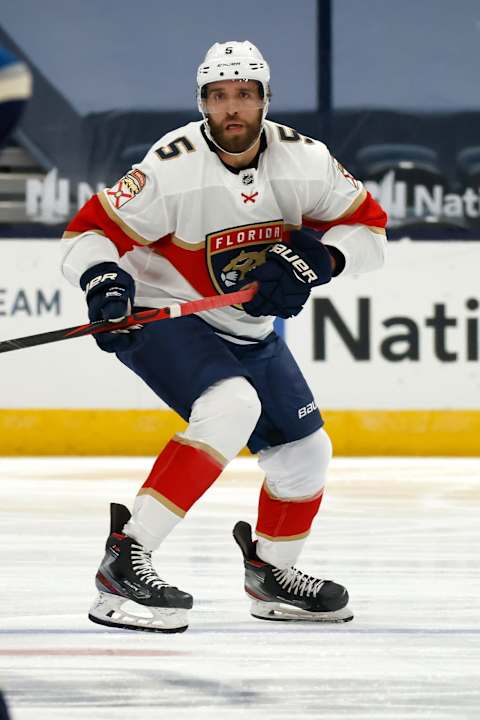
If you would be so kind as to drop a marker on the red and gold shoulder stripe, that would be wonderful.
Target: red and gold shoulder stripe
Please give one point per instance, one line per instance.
(98, 216)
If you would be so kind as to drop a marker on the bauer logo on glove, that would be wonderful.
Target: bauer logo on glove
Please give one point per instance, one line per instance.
(99, 279)
(304, 271)
(288, 274)
(110, 295)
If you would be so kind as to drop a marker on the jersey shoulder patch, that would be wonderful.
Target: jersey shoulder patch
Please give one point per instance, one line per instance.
(126, 188)
(341, 170)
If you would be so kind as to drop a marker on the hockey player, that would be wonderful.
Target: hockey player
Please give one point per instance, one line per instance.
(214, 205)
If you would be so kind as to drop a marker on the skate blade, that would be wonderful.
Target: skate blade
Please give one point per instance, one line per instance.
(118, 612)
(283, 612)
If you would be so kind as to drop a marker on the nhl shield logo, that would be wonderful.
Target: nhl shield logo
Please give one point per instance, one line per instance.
(248, 178)
(233, 252)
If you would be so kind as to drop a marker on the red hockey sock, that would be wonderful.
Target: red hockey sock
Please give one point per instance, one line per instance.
(181, 474)
(280, 519)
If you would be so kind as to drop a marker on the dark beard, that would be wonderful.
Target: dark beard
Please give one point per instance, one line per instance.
(237, 144)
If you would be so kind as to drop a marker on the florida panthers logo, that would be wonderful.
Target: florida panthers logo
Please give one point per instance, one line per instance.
(232, 253)
(240, 265)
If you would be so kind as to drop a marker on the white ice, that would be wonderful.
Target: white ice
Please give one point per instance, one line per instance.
(401, 534)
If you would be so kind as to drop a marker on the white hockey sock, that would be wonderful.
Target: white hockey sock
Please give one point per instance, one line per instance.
(280, 554)
(149, 514)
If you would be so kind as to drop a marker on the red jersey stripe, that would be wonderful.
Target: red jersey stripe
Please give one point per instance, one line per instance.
(92, 217)
(369, 213)
(189, 263)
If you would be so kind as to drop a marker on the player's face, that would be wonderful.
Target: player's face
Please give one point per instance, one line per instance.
(234, 109)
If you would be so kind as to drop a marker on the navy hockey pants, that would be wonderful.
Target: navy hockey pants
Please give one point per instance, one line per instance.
(179, 359)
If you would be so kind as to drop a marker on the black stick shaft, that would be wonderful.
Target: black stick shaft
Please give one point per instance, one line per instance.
(57, 335)
(140, 318)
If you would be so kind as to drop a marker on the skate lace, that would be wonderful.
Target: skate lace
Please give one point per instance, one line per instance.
(143, 568)
(297, 582)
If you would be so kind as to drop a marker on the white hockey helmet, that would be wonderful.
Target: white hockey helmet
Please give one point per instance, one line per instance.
(233, 60)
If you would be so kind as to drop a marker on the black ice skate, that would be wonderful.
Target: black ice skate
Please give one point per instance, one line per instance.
(131, 595)
(288, 594)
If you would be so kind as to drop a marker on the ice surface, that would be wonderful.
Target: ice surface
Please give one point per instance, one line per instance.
(402, 535)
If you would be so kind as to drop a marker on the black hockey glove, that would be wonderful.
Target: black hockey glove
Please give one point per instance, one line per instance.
(288, 275)
(110, 292)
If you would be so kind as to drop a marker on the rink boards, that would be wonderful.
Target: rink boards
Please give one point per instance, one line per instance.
(392, 358)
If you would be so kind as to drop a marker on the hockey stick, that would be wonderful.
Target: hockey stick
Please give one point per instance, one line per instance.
(139, 318)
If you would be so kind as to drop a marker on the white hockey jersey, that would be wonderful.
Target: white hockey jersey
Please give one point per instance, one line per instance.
(184, 225)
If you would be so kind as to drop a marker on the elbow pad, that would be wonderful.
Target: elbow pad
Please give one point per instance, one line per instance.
(362, 249)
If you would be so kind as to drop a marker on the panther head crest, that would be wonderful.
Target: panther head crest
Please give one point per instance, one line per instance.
(239, 266)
